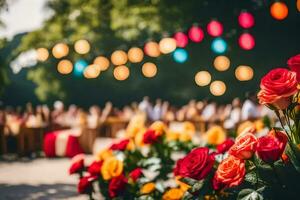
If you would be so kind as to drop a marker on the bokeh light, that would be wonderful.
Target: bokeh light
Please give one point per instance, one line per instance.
(196, 34)
(214, 28)
(135, 55)
(167, 45)
(217, 88)
(222, 63)
(202, 78)
(279, 10)
(298, 5)
(119, 57)
(152, 49)
(244, 73)
(181, 39)
(60, 50)
(219, 46)
(180, 55)
(91, 71)
(65, 66)
(42, 54)
(246, 41)
(102, 62)
(149, 69)
(79, 67)
(246, 19)
(121, 73)
(82, 46)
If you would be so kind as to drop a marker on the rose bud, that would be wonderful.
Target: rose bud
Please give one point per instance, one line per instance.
(85, 185)
(121, 146)
(77, 165)
(225, 146)
(150, 137)
(95, 168)
(294, 65)
(135, 174)
(116, 186)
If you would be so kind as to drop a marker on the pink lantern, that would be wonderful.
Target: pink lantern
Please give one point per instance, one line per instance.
(246, 20)
(215, 28)
(181, 39)
(246, 41)
(196, 34)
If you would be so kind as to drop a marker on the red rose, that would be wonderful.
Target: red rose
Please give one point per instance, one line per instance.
(121, 146)
(150, 137)
(230, 173)
(95, 168)
(277, 87)
(270, 147)
(244, 147)
(77, 165)
(225, 146)
(135, 174)
(117, 185)
(294, 65)
(85, 185)
(197, 164)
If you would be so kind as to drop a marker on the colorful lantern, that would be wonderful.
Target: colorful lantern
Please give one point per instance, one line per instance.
(121, 73)
(82, 46)
(215, 28)
(246, 41)
(298, 5)
(119, 57)
(244, 73)
(91, 71)
(149, 69)
(135, 55)
(102, 62)
(202, 78)
(42, 54)
(279, 10)
(152, 49)
(217, 88)
(196, 34)
(79, 67)
(65, 66)
(167, 45)
(222, 63)
(181, 39)
(219, 46)
(246, 19)
(180, 55)
(60, 50)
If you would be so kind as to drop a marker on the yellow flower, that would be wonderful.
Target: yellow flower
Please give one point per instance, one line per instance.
(130, 146)
(172, 135)
(104, 154)
(243, 126)
(183, 186)
(139, 137)
(209, 197)
(185, 136)
(189, 127)
(215, 135)
(159, 127)
(111, 167)
(147, 188)
(173, 194)
(259, 125)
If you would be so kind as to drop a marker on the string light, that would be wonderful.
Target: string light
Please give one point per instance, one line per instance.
(219, 46)
(119, 57)
(121, 73)
(135, 55)
(149, 69)
(196, 34)
(246, 19)
(91, 71)
(215, 28)
(79, 67)
(180, 55)
(217, 88)
(181, 39)
(60, 50)
(82, 46)
(246, 41)
(102, 62)
(202, 78)
(222, 63)
(167, 45)
(42, 54)
(65, 66)
(298, 5)
(152, 49)
(244, 73)
(279, 10)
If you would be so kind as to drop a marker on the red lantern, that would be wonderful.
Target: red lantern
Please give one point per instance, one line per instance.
(246, 41)
(246, 20)
(181, 39)
(215, 28)
(196, 34)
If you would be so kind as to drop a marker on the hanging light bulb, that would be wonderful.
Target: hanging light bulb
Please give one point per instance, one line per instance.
(60, 50)
(215, 28)
(196, 34)
(65, 66)
(246, 41)
(82, 46)
(222, 63)
(152, 49)
(119, 57)
(79, 67)
(279, 10)
(180, 55)
(202, 78)
(298, 5)
(149, 69)
(42, 54)
(219, 45)
(102, 62)
(135, 55)
(244, 73)
(217, 88)
(181, 39)
(167, 45)
(91, 71)
(246, 19)
(121, 73)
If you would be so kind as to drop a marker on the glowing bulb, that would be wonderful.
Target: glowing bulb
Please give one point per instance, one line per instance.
(152, 49)
(42, 54)
(135, 55)
(79, 67)
(180, 55)
(219, 45)
(121, 73)
(167, 45)
(103, 62)
(181, 39)
(60, 50)
(196, 34)
(222, 63)
(82, 46)
(91, 71)
(215, 28)
(217, 88)
(202, 78)
(279, 10)
(244, 73)
(246, 41)
(119, 57)
(149, 69)
(65, 66)
(246, 20)
(298, 5)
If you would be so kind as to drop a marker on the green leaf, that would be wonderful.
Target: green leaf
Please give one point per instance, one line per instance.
(249, 194)
(188, 181)
(251, 177)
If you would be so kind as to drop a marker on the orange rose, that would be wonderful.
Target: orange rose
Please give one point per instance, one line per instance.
(230, 173)
(147, 188)
(173, 194)
(244, 147)
(215, 135)
(159, 127)
(111, 168)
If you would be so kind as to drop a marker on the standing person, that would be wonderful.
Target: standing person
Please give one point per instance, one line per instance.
(249, 108)
(209, 111)
(156, 112)
(145, 106)
(235, 114)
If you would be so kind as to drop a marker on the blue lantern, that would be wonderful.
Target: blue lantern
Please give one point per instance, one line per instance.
(79, 67)
(219, 46)
(180, 55)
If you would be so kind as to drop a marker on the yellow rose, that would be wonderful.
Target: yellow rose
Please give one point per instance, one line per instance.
(130, 146)
(104, 154)
(139, 137)
(111, 167)
(147, 188)
(173, 194)
(215, 135)
(243, 126)
(185, 136)
(159, 127)
(259, 125)
(189, 127)
(172, 135)
(183, 186)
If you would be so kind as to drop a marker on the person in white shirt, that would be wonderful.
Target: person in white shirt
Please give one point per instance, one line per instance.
(235, 114)
(156, 112)
(145, 106)
(249, 109)
(209, 111)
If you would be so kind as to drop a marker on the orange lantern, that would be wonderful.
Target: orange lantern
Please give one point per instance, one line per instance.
(244, 73)
(91, 71)
(152, 49)
(60, 50)
(149, 69)
(103, 62)
(298, 5)
(167, 45)
(119, 57)
(121, 73)
(202, 78)
(222, 63)
(135, 55)
(279, 10)
(42, 54)
(217, 88)
(82, 46)
(65, 66)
